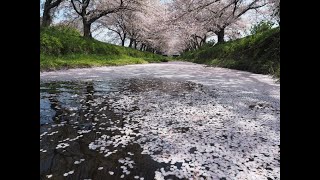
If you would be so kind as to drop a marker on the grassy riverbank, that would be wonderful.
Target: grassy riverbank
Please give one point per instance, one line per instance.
(63, 48)
(259, 53)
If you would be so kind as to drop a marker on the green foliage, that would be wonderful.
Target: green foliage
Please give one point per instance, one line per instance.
(259, 53)
(63, 47)
(261, 27)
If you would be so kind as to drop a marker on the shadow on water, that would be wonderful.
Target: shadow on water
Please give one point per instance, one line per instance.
(75, 114)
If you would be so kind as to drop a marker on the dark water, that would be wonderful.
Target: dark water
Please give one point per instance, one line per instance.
(75, 114)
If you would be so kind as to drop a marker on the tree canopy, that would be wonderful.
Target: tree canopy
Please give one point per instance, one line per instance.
(164, 27)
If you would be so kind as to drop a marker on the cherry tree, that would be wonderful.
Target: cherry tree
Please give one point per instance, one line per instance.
(92, 10)
(116, 23)
(229, 12)
(216, 15)
(146, 28)
(275, 7)
(170, 28)
(48, 7)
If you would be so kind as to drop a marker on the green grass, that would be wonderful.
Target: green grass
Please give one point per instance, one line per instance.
(63, 48)
(259, 53)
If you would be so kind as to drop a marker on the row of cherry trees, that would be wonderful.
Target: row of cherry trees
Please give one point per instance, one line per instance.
(200, 19)
(150, 25)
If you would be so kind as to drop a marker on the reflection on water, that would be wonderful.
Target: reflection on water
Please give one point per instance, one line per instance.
(82, 137)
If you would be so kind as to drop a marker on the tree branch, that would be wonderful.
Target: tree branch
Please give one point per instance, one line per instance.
(54, 4)
(75, 8)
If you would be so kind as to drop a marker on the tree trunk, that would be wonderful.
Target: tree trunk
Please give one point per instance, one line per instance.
(203, 40)
(123, 40)
(194, 45)
(220, 35)
(87, 29)
(135, 44)
(46, 18)
(141, 47)
(130, 44)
